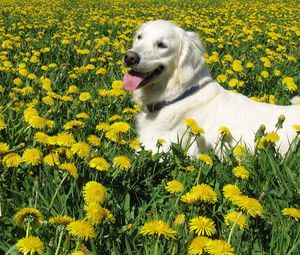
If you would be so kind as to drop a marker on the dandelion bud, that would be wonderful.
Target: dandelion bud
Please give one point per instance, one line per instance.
(280, 121)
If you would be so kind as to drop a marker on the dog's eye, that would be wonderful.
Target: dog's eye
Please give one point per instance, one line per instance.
(139, 37)
(161, 45)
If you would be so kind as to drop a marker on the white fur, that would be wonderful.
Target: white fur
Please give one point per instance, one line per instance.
(212, 106)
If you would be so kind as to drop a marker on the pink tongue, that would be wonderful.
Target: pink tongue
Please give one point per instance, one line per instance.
(131, 82)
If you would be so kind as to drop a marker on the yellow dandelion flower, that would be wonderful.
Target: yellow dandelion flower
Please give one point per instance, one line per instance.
(95, 213)
(60, 220)
(119, 127)
(237, 66)
(51, 159)
(159, 228)
(198, 193)
(78, 253)
(174, 186)
(70, 168)
(223, 130)
(32, 156)
(292, 212)
(196, 245)
(31, 245)
(82, 115)
(219, 247)
(122, 162)
(236, 218)
(73, 89)
(190, 168)
(241, 172)
(85, 96)
(297, 128)
(82, 149)
(269, 138)
(239, 151)
(103, 126)
(202, 226)
(180, 219)
(28, 212)
(206, 159)
(221, 78)
(12, 160)
(65, 139)
(81, 229)
(94, 192)
(94, 140)
(73, 124)
(17, 81)
(99, 163)
(114, 118)
(41, 137)
(135, 144)
(193, 126)
(4, 148)
(251, 205)
(230, 191)
(290, 83)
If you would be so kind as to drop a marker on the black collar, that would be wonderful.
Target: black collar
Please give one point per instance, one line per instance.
(159, 105)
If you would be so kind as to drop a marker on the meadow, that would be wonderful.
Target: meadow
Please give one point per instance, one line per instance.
(74, 178)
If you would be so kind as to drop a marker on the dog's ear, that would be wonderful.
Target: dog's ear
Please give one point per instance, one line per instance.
(191, 59)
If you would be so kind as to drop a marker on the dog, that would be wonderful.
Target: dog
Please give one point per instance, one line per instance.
(170, 82)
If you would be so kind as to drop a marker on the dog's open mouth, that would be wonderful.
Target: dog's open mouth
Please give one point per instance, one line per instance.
(134, 80)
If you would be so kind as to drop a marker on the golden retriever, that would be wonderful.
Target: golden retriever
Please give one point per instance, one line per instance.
(169, 80)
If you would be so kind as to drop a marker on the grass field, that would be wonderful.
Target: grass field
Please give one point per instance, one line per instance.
(71, 181)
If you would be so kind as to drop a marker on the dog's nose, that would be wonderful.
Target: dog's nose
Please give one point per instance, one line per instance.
(131, 58)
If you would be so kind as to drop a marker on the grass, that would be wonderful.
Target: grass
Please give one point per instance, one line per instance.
(81, 43)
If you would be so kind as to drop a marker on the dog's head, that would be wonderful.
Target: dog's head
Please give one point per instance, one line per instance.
(162, 52)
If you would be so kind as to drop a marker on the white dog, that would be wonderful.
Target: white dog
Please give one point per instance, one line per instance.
(169, 80)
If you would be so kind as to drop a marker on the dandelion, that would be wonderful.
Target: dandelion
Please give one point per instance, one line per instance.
(290, 83)
(94, 192)
(206, 159)
(190, 168)
(297, 128)
(193, 126)
(219, 247)
(73, 124)
(135, 144)
(292, 212)
(202, 226)
(237, 66)
(239, 151)
(103, 126)
(60, 220)
(241, 172)
(31, 245)
(251, 205)
(122, 162)
(99, 163)
(82, 149)
(51, 159)
(82, 115)
(236, 217)
(119, 127)
(32, 156)
(12, 160)
(174, 186)
(85, 96)
(65, 139)
(269, 138)
(28, 213)
(196, 245)
(221, 78)
(224, 131)
(4, 148)
(230, 191)
(179, 220)
(114, 118)
(94, 140)
(157, 227)
(78, 253)
(81, 229)
(70, 168)
(95, 213)
(201, 192)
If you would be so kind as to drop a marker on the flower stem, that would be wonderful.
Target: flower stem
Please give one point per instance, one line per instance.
(56, 192)
(232, 228)
(156, 248)
(59, 241)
